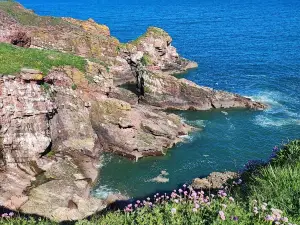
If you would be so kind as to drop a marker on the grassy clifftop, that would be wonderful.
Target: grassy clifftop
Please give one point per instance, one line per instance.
(267, 194)
(13, 59)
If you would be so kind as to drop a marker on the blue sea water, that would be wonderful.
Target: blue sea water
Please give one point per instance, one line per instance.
(250, 47)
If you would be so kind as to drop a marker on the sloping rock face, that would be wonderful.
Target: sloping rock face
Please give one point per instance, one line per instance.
(167, 91)
(54, 128)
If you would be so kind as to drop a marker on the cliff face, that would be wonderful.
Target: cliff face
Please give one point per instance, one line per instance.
(54, 126)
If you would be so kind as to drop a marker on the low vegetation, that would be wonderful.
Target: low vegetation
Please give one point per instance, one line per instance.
(267, 194)
(13, 59)
(27, 17)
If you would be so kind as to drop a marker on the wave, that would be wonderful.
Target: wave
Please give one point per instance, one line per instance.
(266, 121)
(103, 191)
(278, 114)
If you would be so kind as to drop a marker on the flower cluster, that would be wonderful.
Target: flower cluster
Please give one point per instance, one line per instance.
(222, 206)
(7, 215)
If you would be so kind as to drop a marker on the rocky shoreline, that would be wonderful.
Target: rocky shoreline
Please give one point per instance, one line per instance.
(55, 126)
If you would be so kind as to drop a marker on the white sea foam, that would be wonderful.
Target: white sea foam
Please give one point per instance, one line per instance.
(224, 112)
(278, 114)
(103, 191)
(197, 123)
(265, 121)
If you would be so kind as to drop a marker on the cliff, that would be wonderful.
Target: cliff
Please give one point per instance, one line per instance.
(62, 104)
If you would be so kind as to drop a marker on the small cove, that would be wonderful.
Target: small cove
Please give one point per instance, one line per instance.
(247, 47)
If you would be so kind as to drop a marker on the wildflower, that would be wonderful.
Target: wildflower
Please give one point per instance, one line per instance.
(176, 201)
(11, 214)
(231, 199)
(185, 193)
(212, 195)
(130, 205)
(254, 202)
(265, 204)
(184, 185)
(235, 218)
(255, 210)
(263, 208)
(197, 206)
(239, 181)
(224, 206)
(173, 210)
(180, 190)
(277, 222)
(148, 199)
(138, 201)
(202, 192)
(222, 215)
(269, 218)
(194, 210)
(285, 219)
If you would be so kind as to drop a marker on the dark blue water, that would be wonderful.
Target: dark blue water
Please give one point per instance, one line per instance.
(248, 47)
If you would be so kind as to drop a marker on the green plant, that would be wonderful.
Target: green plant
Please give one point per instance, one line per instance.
(74, 86)
(146, 60)
(13, 59)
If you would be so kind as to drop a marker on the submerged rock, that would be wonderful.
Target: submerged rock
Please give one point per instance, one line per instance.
(215, 180)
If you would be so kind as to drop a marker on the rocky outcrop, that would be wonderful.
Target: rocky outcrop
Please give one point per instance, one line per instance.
(167, 91)
(215, 180)
(135, 131)
(52, 136)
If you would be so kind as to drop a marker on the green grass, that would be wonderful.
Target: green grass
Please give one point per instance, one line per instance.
(26, 17)
(266, 190)
(13, 59)
(279, 182)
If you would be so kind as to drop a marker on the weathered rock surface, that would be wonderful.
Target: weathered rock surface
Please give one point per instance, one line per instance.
(215, 180)
(167, 91)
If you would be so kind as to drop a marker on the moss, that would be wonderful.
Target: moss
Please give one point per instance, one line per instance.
(74, 86)
(147, 89)
(13, 59)
(146, 60)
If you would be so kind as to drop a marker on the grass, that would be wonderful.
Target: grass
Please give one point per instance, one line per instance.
(13, 59)
(270, 194)
(27, 17)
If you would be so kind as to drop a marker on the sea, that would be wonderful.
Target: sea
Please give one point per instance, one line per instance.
(250, 47)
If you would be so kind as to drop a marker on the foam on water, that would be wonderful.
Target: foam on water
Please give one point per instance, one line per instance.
(103, 191)
(278, 114)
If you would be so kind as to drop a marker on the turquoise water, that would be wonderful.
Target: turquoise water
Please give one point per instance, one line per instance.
(249, 47)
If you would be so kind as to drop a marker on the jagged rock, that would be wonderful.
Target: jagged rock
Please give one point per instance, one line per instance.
(166, 91)
(215, 180)
(135, 131)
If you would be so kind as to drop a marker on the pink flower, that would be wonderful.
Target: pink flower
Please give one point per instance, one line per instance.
(222, 215)
(180, 190)
(138, 201)
(231, 199)
(269, 218)
(197, 206)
